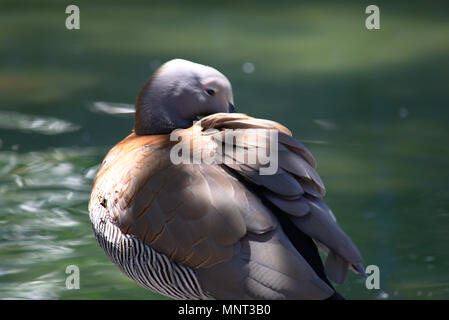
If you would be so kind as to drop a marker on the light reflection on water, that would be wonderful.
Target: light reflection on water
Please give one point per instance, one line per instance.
(42, 200)
(38, 124)
(44, 225)
(111, 107)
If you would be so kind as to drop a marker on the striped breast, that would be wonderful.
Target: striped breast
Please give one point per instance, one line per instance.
(143, 264)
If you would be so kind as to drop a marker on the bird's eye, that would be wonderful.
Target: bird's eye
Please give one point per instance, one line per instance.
(210, 91)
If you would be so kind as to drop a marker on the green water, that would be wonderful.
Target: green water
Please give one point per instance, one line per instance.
(371, 105)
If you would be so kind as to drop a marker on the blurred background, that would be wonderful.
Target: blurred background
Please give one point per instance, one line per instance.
(371, 105)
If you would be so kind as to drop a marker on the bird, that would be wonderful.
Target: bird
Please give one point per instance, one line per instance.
(191, 229)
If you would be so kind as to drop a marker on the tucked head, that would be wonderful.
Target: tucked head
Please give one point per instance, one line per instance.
(177, 94)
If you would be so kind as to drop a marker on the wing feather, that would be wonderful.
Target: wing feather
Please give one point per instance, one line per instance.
(295, 188)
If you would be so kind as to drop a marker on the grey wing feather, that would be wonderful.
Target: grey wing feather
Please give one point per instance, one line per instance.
(268, 267)
(295, 188)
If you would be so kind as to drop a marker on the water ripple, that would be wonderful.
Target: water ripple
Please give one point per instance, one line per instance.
(44, 224)
(36, 124)
(111, 107)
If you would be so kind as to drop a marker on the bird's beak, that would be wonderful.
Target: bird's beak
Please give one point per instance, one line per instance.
(231, 107)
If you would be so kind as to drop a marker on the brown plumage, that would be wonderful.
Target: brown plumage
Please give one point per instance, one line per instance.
(239, 234)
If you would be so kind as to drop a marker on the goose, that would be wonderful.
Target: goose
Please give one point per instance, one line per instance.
(215, 229)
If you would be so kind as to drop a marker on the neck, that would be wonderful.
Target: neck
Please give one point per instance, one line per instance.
(158, 109)
(153, 120)
(152, 116)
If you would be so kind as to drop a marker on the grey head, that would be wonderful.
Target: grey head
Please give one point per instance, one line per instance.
(177, 94)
